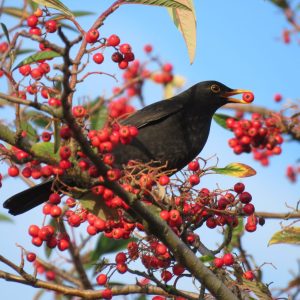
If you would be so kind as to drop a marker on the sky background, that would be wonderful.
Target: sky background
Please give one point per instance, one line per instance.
(239, 44)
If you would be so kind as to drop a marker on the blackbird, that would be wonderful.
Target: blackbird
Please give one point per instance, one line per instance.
(171, 132)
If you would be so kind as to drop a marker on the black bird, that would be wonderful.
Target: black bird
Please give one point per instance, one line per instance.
(172, 131)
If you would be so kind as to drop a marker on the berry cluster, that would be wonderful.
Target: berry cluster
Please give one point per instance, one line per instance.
(292, 173)
(260, 135)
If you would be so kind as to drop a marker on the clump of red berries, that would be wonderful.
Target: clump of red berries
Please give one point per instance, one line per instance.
(260, 135)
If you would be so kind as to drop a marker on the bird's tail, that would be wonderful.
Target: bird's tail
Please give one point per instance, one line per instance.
(28, 199)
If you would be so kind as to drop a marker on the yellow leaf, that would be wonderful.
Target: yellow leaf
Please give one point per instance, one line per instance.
(185, 21)
(236, 170)
(289, 235)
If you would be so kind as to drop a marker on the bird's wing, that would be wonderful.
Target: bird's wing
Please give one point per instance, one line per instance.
(153, 113)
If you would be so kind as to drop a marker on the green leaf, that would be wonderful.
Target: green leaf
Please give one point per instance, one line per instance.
(38, 56)
(105, 246)
(78, 13)
(4, 29)
(220, 119)
(45, 149)
(34, 6)
(57, 138)
(166, 3)
(280, 3)
(260, 290)
(207, 258)
(30, 131)
(24, 51)
(99, 118)
(38, 118)
(56, 4)
(289, 235)
(236, 170)
(237, 232)
(5, 218)
(15, 12)
(185, 21)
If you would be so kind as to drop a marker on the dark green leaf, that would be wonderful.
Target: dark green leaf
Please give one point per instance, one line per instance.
(5, 218)
(236, 170)
(56, 135)
(220, 119)
(81, 13)
(30, 131)
(4, 29)
(24, 51)
(38, 56)
(15, 12)
(105, 246)
(99, 118)
(289, 235)
(56, 4)
(165, 3)
(67, 26)
(237, 232)
(45, 149)
(280, 3)
(207, 258)
(34, 6)
(38, 118)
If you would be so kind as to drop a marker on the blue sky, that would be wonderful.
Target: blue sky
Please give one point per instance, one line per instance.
(238, 44)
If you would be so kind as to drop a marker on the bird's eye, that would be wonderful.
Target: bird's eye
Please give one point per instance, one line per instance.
(215, 88)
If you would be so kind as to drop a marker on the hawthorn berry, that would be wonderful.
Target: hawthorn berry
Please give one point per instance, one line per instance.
(36, 73)
(194, 166)
(228, 259)
(92, 36)
(125, 48)
(248, 97)
(249, 209)
(277, 97)
(51, 26)
(218, 262)
(101, 279)
(239, 187)
(249, 275)
(113, 40)
(194, 179)
(164, 180)
(25, 70)
(106, 294)
(13, 171)
(35, 31)
(148, 48)
(30, 256)
(32, 21)
(98, 58)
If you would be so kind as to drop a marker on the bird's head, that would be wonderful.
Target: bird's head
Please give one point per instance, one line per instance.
(215, 94)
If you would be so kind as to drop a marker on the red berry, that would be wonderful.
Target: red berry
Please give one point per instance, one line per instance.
(120, 258)
(55, 211)
(54, 198)
(218, 262)
(36, 73)
(63, 244)
(32, 21)
(92, 36)
(166, 276)
(194, 179)
(249, 209)
(164, 180)
(98, 58)
(248, 97)
(245, 197)
(193, 166)
(239, 187)
(46, 136)
(125, 48)
(13, 171)
(117, 57)
(31, 256)
(33, 230)
(38, 12)
(248, 275)
(228, 259)
(35, 31)
(277, 97)
(165, 215)
(107, 294)
(25, 70)
(178, 269)
(123, 64)
(51, 26)
(148, 48)
(113, 40)
(101, 279)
